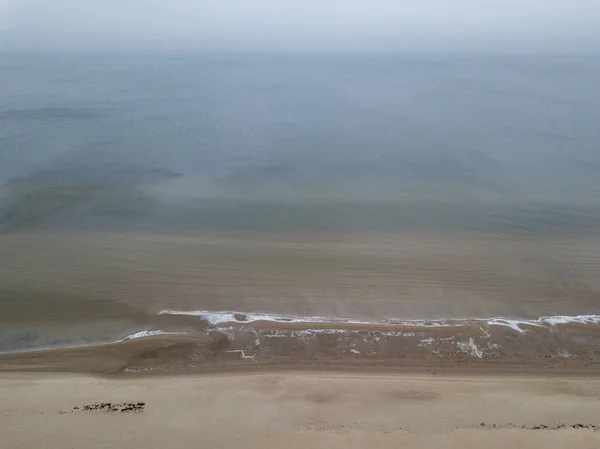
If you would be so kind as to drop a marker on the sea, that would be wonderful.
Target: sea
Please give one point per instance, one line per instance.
(159, 193)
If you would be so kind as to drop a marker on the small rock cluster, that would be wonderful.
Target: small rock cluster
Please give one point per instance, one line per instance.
(113, 407)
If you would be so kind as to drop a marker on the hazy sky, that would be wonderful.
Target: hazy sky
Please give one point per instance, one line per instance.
(528, 25)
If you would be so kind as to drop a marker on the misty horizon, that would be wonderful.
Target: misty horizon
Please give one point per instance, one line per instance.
(353, 26)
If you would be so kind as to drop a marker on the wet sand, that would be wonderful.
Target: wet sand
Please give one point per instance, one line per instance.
(300, 410)
(436, 349)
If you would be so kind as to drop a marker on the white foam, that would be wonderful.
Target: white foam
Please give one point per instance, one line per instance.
(217, 318)
(225, 318)
(583, 319)
(470, 348)
(545, 321)
(242, 353)
(144, 334)
(475, 350)
(312, 332)
(427, 341)
(513, 324)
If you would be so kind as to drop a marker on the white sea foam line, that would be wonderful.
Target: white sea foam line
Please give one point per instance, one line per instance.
(545, 320)
(144, 334)
(513, 324)
(228, 317)
(218, 318)
(583, 319)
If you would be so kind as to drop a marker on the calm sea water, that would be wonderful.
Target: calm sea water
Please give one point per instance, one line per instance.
(367, 186)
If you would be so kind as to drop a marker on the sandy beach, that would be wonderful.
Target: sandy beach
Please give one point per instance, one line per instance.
(300, 409)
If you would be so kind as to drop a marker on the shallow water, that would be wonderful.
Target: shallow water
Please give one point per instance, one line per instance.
(84, 287)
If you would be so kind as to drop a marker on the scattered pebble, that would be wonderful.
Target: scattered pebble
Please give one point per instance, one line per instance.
(559, 426)
(113, 407)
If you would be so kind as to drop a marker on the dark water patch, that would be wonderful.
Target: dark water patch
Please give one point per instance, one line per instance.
(77, 193)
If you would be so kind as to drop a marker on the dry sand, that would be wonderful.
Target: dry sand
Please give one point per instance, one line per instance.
(300, 410)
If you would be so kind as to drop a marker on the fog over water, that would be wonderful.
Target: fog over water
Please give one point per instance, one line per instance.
(548, 26)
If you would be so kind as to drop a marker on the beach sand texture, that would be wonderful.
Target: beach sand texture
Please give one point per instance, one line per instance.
(299, 410)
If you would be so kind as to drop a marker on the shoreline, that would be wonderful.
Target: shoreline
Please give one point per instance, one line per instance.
(165, 355)
(180, 341)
